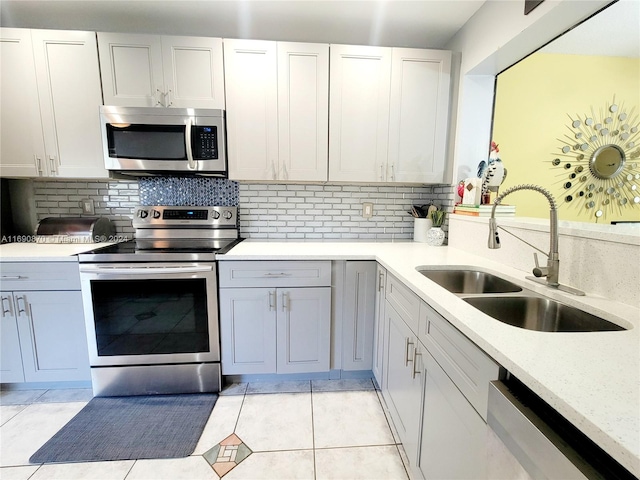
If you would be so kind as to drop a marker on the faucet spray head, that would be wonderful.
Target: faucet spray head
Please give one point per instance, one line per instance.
(494, 238)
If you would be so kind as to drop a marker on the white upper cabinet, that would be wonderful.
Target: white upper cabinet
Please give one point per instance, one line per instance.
(419, 115)
(63, 132)
(21, 142)
(388, 114)
(252, 109)
(359, 113)
(303, 111)
(277, 110)
(169, 71)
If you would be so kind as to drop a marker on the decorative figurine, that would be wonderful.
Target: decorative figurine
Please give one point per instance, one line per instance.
(492, 173)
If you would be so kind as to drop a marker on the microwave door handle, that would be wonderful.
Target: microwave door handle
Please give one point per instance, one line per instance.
(190, 160)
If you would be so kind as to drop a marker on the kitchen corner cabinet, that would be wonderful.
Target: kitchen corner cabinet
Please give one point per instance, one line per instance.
(277, 110)
(50, 97)
(275, 317)
(389, 110)
(167, 71)
(43, 332)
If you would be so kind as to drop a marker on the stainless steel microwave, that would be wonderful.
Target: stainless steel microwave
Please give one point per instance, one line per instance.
(171, 141)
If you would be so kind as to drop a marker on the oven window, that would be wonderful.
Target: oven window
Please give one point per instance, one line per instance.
(143, 317)
(147, 142)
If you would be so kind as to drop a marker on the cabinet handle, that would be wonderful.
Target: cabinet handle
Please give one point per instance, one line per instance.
(52, 162)
(285, 301)
(415, 354)
(381, 172)
(381, 281)
(285, 172)
(25, 304)
(38, 161)
(393, 173)
(168, 102)
(406, 352)
(9, 307)
(272, 304)
(157, 97)
(274, 170)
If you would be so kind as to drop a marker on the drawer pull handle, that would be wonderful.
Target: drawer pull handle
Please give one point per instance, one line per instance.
(406, 353)
(281, 274)
(12, 277)
(415, 354)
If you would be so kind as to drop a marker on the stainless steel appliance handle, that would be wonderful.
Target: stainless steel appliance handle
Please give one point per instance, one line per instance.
(105, 270)
(192, 162)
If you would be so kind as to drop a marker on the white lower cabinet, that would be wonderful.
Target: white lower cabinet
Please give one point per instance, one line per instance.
(378, 326)
(43, 332)
(275, 328)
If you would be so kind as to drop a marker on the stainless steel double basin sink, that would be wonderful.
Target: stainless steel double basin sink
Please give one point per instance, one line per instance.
(511, 304)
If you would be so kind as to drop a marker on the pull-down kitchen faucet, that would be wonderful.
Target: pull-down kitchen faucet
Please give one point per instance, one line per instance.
(552, 270)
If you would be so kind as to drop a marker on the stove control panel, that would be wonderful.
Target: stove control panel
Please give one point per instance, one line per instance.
(161, 216)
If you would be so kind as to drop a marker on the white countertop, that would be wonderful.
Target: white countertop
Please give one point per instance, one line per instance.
(46, 252)
(591, 378)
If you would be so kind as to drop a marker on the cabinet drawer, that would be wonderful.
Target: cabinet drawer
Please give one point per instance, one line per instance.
(39, 276)
(467, 365)
(406, 303)
(274, 274)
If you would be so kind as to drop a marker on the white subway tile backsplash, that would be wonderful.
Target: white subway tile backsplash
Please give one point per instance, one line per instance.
(266, 211)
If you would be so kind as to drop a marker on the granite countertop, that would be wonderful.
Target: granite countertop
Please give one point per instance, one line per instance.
(46, 252)
(591, 378)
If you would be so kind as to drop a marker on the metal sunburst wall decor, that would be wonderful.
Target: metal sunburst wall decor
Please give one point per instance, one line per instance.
(600, 162)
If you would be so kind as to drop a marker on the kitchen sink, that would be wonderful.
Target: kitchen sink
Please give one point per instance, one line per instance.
(541, 314)
(470, 281)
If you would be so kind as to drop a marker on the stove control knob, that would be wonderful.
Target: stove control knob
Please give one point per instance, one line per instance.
(227, 214)
(143, 213)
(215, 214)
(155, 213)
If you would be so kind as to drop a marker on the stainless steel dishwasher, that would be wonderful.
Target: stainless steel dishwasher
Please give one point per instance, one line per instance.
(546, 444)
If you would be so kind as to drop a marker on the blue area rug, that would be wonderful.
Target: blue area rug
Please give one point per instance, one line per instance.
(127, 428)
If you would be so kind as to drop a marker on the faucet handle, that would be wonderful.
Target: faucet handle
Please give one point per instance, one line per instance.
(539, 271)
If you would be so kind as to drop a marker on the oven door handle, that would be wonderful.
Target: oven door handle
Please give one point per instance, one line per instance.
(101, 270)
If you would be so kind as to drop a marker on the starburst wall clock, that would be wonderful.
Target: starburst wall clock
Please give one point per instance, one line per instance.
(599, 162)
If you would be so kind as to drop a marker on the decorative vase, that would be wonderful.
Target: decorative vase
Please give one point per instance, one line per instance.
(435, 236)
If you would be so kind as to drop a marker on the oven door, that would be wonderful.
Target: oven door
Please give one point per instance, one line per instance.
(150, 313)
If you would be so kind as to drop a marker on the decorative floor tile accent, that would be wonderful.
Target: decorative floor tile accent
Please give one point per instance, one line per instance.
(225, 456)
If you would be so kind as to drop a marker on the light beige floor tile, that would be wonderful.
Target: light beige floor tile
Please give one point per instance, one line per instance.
(84, 471)
(7, 412)
(189, 468)
(279, 387)
(17, 473)
(343, 384)
(221, 423)
(278, 421)
(385, 409)
(289, 465)
(20, 397)
(66, 395)
(30, 429)
(347, 419)
(360, 463)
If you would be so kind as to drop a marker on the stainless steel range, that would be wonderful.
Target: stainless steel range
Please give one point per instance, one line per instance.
(151, 305)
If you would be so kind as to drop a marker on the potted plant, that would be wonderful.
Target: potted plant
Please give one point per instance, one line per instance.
(435, 235)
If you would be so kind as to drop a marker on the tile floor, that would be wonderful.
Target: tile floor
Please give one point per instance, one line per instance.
(320, 429)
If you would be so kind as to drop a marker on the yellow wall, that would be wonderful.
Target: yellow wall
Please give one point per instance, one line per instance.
(534, 100)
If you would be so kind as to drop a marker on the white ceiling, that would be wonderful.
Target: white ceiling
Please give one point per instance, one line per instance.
(401, 23)
(614, 31)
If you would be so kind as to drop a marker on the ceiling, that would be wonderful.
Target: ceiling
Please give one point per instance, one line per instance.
(397, 23)
(612, 32)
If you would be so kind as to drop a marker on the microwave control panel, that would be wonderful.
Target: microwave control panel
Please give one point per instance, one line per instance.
(204, 142)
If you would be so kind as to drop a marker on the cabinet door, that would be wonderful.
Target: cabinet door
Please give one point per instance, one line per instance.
(419, 113)
(131, 67)
(402, 389)
(359, 113)
(10, 356)
(303, 111)
(252, 109)
(69, 90)
(304, 329)
(52, 336)
(248, 330)
(358, 315)
(378, 328)
(21, 142)
(453, 442)
(193, 72)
